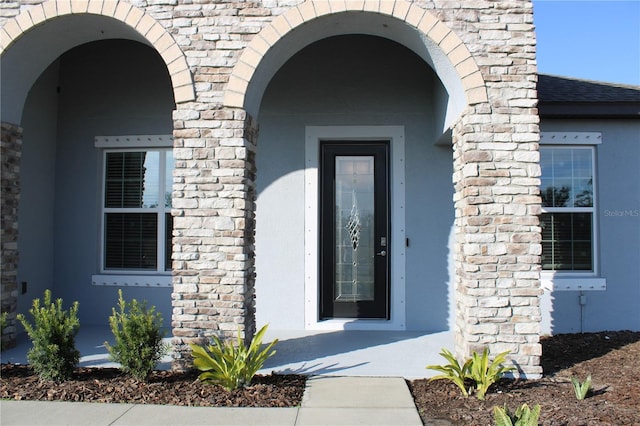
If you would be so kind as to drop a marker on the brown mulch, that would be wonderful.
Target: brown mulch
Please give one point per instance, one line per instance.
(19, 382)
(611, 358)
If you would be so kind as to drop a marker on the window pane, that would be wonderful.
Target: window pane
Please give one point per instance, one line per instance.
(168, 241)
(132, 179)
(168, 179)
(131, 240)
(567, 241)
(567, 177)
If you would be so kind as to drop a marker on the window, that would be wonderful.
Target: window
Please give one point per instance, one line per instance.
(568, 208)
(137, 221)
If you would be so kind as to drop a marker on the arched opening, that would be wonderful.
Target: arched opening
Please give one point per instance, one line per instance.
(83, 94)
(354, 82)
(66, 81)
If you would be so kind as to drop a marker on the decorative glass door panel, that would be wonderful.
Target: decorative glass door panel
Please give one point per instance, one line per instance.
(354, 230)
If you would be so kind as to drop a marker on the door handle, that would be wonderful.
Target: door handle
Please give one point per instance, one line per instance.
(382, 253)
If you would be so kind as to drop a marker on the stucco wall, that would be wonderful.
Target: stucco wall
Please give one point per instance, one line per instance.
(618, 233)
(99, 89)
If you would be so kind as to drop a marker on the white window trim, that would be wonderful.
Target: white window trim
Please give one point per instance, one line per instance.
(108, 277)
(574, 280)
(313, 136)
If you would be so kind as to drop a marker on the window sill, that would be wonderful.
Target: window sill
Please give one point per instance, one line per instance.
(573, 283)
(157, 281)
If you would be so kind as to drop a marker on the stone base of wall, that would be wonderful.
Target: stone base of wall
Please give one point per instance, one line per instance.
(10, 150)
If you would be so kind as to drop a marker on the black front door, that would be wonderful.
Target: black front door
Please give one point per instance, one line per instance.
(354, 229)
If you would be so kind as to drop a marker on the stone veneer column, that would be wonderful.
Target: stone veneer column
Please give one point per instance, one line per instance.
(10, 151)
(214, 223)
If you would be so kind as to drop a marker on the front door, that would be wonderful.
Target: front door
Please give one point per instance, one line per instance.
(354, 230)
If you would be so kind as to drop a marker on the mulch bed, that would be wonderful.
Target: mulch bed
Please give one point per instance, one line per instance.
(19, 382)
(612, 359)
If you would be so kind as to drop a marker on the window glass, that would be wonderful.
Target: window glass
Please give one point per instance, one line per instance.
(132, 179)
(131, 241)
(568, 208)
(137, 199)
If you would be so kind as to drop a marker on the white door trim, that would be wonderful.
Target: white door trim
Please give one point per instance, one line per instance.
(313, 136)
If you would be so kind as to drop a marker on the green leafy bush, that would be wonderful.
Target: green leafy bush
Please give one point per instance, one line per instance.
(581, 389)
(524, 416)
(53, 355)
(231, 366)
(3, 325)
(477, 372)
(138, 343)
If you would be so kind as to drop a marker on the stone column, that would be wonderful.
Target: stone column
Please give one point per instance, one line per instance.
(10, 151)
(214, 224)
(498, 236)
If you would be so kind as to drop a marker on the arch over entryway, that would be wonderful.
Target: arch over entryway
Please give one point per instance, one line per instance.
(399, 20)
(21, 40)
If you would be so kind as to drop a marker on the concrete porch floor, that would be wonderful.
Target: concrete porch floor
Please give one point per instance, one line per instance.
(334, 353)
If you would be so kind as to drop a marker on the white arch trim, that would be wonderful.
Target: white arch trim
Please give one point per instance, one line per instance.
(154, 33)
(436, 32)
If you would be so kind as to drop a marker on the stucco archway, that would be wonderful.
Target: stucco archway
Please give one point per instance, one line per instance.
(21, 42)
(401, 21)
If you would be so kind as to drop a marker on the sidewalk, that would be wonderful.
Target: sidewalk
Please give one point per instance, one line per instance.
(326, 401)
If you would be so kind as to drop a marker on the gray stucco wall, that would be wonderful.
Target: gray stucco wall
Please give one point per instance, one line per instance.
(356, 81)
(618, 233)
(102, 88)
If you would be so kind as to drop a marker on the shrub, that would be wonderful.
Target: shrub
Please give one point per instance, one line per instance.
(477, 371)
(3, 325)
(231, 366)
(138, 343)
(53, 355)
(581, 389)
(524, 416)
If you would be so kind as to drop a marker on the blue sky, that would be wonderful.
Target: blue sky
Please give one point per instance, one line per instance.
(596, 40)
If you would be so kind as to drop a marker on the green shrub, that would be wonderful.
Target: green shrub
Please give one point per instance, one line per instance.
(231, 366)
(138, 337)
(53, 355)
(581, 389)
(476, 372)
(3, 325)
(524, 416)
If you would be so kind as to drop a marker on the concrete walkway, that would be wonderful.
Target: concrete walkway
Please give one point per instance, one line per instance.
(326, 401)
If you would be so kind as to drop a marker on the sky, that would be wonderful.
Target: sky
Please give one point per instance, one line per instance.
(589, 39)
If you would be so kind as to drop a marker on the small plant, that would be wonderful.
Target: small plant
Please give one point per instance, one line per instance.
(231, 366)
(138, 338)
(581, 389)
(476, 371)
(53, 355)
(524, 416)
(485, 373)
(3, 325)
(453, 371)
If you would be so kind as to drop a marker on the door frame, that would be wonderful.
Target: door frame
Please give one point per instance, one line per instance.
(313, 136)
